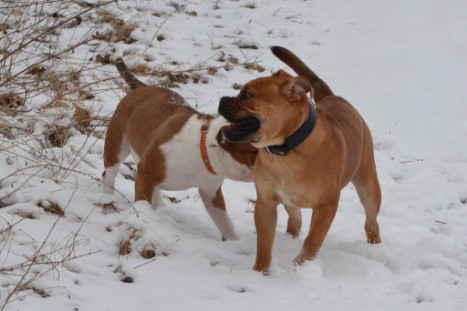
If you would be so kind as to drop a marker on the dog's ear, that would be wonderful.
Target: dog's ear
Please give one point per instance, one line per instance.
(296, 88)
(282, 73)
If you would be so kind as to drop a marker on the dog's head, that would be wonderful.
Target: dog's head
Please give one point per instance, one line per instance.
(267, 110)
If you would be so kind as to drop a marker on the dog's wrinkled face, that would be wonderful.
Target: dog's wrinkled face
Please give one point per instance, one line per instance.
(267, 110)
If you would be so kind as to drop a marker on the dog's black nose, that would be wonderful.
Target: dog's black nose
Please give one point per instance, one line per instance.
(225, 100)
(223, 104)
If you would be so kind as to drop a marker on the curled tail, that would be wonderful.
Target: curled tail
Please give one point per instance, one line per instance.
(129, 78)
(319, 86)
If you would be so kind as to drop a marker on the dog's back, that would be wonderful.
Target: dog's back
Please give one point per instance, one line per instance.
(144, 110)
(321, 89)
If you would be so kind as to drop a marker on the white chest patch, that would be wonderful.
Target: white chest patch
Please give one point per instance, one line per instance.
(288, 199)
(284, 197)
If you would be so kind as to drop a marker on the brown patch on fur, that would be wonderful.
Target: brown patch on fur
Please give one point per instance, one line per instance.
(218, 200)
(242, 152)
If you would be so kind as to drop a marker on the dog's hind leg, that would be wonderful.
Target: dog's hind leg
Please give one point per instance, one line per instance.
(108, 179)
(116, 149)
(215, 206)
(294, 223)
(369, 191)
(149, 176)
(157, 200)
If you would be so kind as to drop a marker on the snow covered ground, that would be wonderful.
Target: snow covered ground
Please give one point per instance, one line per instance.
(402, 64)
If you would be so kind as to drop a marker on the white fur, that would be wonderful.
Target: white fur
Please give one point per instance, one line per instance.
(222, 162)
(108, 179)
(185, 169)
(184, 164)
(219, 217)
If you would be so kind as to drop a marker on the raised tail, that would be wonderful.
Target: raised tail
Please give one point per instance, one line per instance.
(321, 89)
(129, 78)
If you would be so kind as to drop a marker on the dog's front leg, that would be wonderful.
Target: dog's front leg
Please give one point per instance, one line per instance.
(214, 204)
(321, 221)
(265, 222)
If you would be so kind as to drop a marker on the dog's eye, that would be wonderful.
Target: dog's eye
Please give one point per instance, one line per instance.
(245, 95)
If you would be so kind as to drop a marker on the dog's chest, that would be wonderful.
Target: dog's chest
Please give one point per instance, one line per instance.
(298, 196)
(291, 198)
(285, 199)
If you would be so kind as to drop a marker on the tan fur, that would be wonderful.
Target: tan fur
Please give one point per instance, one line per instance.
(338, 151)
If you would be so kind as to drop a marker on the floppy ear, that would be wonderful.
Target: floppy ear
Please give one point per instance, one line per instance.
(296, 87)
(282, 73)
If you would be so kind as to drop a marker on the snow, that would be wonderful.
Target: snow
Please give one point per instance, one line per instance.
(401, 63)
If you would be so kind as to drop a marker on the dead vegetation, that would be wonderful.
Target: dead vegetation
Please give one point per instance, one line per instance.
(121, 31)
(124, 248)
(58, 135)
(39, 91)
(51, 208)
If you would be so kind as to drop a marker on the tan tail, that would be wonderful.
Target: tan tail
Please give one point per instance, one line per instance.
(319, 86)
(129, 78)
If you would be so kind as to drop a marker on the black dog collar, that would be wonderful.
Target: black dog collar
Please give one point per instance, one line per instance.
(299, 136)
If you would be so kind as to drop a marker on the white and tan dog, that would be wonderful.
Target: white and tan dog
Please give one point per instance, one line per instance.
(175, 147)
(307, 154)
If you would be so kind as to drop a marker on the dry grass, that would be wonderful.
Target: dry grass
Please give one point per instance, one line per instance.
(83, 118)
(124, 248)
(51, 208)
(254, 66)
(10, 102)
(248, 46)
(37, 88)
(58, 135)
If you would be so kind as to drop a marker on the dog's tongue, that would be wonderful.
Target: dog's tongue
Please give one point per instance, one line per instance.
(242, 125)
(233, 126)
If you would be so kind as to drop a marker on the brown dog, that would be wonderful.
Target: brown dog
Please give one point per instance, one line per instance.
(307, 154)
(175, 147)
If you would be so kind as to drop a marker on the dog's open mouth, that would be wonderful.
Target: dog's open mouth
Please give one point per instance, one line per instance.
(239, 130)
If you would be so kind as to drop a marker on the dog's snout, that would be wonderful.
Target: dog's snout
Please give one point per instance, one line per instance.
(225, 100)
(224, 103)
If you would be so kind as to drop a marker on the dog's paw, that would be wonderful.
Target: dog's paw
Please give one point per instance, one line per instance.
(261, 267)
